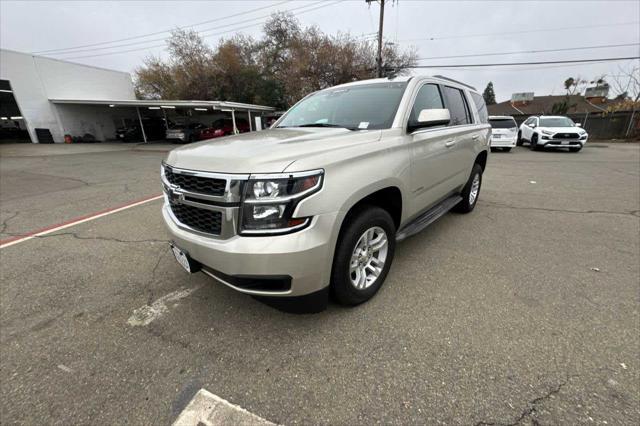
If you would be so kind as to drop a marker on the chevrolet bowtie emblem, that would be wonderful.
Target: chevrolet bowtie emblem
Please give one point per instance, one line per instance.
(176, 195)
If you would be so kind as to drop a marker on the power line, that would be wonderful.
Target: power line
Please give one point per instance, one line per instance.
(163, 31)
(517, 63)
(521, 32)
(532, 51)
(202, 32)
(207, 36)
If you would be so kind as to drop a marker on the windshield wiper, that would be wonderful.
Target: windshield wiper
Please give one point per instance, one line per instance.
(325, 125)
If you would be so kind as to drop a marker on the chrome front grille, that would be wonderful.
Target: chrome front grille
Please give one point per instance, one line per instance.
(205, 203)
(192, 183)
(202, 220)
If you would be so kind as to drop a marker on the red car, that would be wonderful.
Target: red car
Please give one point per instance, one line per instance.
(223, 127)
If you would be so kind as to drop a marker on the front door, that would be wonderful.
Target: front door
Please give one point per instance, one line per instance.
(432, 160)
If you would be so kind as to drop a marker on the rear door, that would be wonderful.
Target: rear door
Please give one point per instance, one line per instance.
(467, 134)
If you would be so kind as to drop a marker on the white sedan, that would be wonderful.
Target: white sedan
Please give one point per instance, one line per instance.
(504, 132)
(547, 131)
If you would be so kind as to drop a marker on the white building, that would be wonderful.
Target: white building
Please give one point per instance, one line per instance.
(51, 98)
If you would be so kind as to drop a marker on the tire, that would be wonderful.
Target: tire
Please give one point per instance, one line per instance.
(519, 140)
(574, 149)
(533, 145)
(468, 202)
(363, 220)
(508, 149)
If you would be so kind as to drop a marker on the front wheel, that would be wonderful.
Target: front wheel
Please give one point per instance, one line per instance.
(471, 191)
(363, 255)
(534, 143)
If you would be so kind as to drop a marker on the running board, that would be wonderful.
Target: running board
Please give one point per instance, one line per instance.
(428, 217)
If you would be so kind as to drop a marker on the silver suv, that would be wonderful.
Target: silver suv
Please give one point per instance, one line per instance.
(316, 203)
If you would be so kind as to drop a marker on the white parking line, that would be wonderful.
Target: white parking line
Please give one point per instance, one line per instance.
(208, 409)
(146, 314)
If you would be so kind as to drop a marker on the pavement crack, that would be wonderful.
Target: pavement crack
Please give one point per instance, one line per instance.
(532, 407)
(507, 206)
(5, 223)
(153, 276)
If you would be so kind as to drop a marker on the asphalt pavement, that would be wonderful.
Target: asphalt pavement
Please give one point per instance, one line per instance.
(525, 311)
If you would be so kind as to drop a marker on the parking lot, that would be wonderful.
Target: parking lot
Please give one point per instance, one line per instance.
(525, 311)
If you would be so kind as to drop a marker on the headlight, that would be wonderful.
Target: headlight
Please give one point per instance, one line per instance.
(270, 200)
(546, 132)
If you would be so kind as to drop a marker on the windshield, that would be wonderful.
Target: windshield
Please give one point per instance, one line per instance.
(370, 106)
(502, 123)
(556, 122)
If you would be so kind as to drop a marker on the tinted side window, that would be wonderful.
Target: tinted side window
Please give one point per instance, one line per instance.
(457, 106)
(483, 114)
(428, 98)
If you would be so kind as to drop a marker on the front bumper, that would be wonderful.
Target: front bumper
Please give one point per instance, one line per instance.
(304, 256)
(562, 144)
(180, 137)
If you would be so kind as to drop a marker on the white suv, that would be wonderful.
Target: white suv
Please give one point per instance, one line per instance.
(547, 131)
(504, 131)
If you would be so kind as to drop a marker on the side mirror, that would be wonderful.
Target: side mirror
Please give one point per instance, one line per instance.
(533, 125)
(431, 117)
(578, 125)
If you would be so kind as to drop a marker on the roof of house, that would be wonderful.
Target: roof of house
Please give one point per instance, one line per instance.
(544, 104)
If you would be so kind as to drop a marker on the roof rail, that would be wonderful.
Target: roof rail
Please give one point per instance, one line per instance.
(455, 81)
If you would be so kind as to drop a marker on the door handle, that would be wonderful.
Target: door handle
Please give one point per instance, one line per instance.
(475, 137)
(450, 143)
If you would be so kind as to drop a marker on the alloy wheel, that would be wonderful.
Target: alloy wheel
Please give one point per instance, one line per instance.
(368, 258)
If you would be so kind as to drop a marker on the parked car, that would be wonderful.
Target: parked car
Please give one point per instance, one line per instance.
(223, 127)
(154, 129)
(317, 202)
(550, 131)
(504, 132)
(187, 132)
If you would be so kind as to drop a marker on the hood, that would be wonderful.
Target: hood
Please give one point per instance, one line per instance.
(562, 129)
(266, 151)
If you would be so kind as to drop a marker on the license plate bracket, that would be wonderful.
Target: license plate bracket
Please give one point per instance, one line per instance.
(184, 260)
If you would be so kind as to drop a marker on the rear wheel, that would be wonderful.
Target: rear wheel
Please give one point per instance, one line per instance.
(363, 255)
(471, 191)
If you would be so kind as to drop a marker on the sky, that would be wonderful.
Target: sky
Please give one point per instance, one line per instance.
(435, 28)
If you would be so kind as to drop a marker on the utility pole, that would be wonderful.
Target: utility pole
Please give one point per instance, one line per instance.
(379, 58)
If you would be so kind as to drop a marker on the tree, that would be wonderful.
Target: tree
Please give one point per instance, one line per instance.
(574, 85)
(627, 86)
(287, 63)
(186, 75)
(489, 95)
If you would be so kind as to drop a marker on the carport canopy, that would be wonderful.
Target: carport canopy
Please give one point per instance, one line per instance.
(137, 103)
